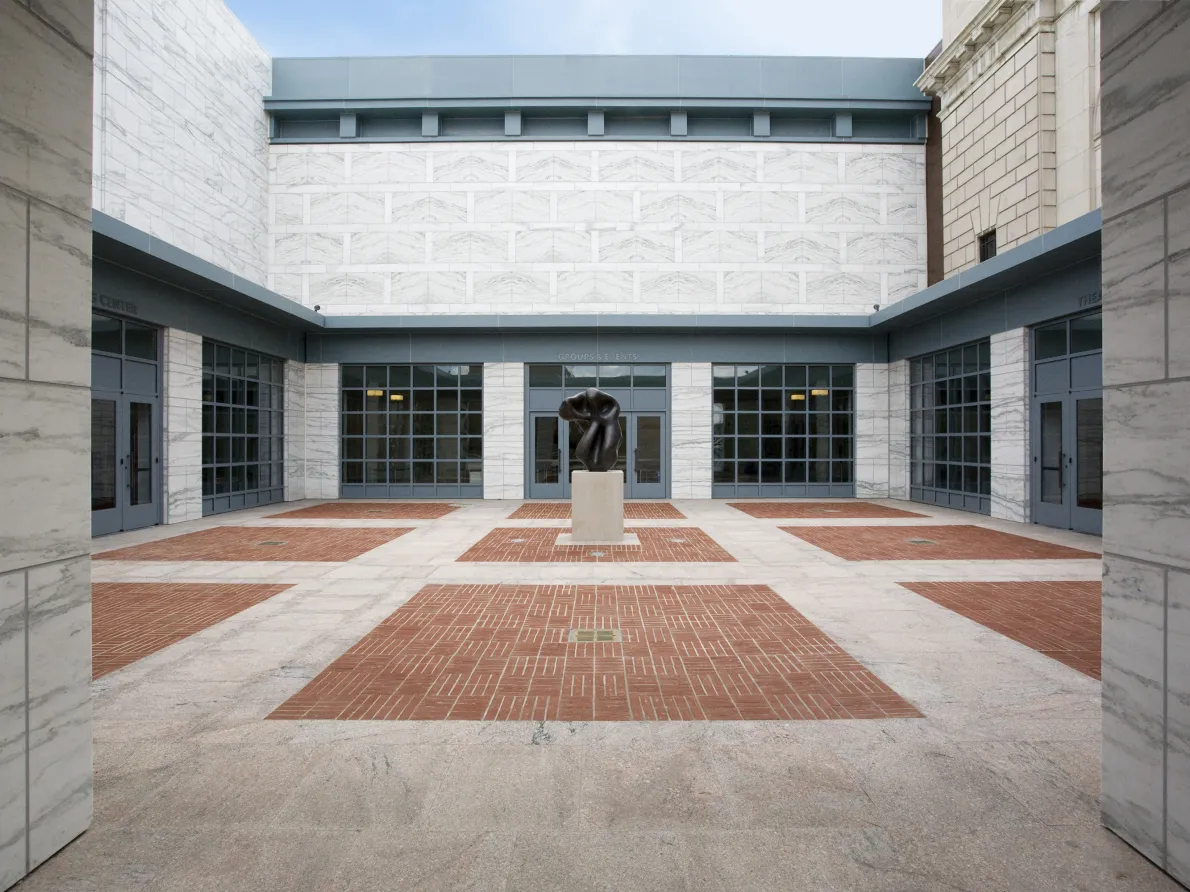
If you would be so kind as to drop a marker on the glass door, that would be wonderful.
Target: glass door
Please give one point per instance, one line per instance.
(141, 462)
(547, 469)
(1068, 454)
(646, 473)
(1050, 454)
(1086, 470)
(106, 472)
(125, 466)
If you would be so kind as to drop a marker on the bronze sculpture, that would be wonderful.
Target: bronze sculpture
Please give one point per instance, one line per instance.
(598, 414)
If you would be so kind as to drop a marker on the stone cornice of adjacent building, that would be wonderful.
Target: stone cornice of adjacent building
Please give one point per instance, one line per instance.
(954, 70)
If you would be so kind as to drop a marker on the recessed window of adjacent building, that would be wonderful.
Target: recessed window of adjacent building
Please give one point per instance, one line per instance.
(951, 427)
(987, 246)
(412, 425)
(243, 400)
(783, 424)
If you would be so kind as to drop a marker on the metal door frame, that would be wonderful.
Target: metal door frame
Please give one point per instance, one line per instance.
(1082, 520)
(135, 517)
(628, 446)
(110, 520)
(633, 489)
(1067, 515)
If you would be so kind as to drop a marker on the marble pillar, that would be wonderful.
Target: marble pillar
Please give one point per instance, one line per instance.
(504, 427)
(1146, 374)
(871, 431)
(45, 381)
(898, 430)
(690, 426)
(295, 431)
(1011, 491)
(182, 416)
(321, 404)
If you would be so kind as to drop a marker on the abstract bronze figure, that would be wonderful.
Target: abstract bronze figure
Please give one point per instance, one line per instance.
(598, 414)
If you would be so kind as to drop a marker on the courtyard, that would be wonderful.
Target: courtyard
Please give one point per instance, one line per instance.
(759, 695)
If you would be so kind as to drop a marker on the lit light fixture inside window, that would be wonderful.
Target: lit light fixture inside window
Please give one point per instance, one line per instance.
(799, 397)
(375, 393)
(819, 392)
(396, 397)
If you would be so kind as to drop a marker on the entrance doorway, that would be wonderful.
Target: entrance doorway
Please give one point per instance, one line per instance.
(125, 426)
(1067, 425)
(642, 455)
(643, 394)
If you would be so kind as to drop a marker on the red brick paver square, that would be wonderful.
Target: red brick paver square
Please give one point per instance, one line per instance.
(827, 510)
(130, 620)
(632, 511)
(932, 543)
(240, 543)
(1059, 619)
(502, 652)
(371, 511)
(665, 545)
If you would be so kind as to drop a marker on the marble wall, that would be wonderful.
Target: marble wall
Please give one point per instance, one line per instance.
(320, 444)
(504, 430)
(898, 430)
(182, 416)
(690, 430)
(45, 380)
(1011, 448)
(295, 431)
(454, 228)
(1146, 522)
(871, 431)
(179, 128)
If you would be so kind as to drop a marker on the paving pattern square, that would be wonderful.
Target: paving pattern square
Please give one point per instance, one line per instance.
(242, 543)
(131, 620)
(1060, 619)
(502, 652)
(371, 511)
(940, 542)
(827, 510)
(632, 511)
(537, 545)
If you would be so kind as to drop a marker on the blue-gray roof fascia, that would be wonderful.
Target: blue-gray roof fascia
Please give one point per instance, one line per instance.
(580, 102)
(1062, 246)
(457, 78)
(181, 268)
(620, 322)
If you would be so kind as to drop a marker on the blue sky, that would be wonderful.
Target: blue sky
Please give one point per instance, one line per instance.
(416, 27)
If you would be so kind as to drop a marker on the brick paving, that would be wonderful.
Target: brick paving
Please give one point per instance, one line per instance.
(244, 543)
(632, 511)
(130, 620)
(501, 652)
(371, 511)
(1059, 619)
(931, 543)
(667, 545)
(828, 510)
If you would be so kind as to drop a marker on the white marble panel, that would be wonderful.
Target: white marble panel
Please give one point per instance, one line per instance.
(630, 247)
(328, 208)
(690, 406)
(387, 247)
(469, 247)
(871, 431)
(1133, 702)
(719, 165)
(802, 247)
(583, 288)
(743, 287)
(677, 207)
(1177, 723)
(365, 208)
(323, 247)
(47, 436)
(13, 278)
(677, 288)
(855, 289)
(539, 166)
(503, 430)
(906, 284)
(362, 288)
(801, 166)
(849, 207)
(1011, 455)
(577, 206)
(182, 426)
(59, 320)
(782, 288)
(12, 728)
(429, 207)
(553, 246)
(905, 209)
(295, 431)
(322, 431)
(882, 248)
(779, 207)
(635, 166)
(898, 430)
(1178, 206)
(1134, 296)
(446, 287)
(288, 209)
(742, 207)
(530, 208)
(60, 789)
(471, 166)
(384, 166)
(493, 206)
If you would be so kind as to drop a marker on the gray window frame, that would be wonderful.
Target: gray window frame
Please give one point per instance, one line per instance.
(231, 394)
(383, 456)
(830, 425)
(972, 409)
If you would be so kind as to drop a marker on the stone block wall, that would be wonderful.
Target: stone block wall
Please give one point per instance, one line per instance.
(179, 128)
(622, 228)
(45, 382)
(1146, 367)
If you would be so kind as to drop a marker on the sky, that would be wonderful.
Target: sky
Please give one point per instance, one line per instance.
(699, 27)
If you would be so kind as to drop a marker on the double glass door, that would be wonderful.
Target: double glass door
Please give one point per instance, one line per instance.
(1068, 457)
(642, 455)
(125, 467)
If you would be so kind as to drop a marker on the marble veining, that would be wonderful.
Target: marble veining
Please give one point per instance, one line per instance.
(182, 426)
(504, 430)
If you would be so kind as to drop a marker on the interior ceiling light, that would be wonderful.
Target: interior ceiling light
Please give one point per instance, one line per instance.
(375, 393)
(797, 396)
(819, 392)
(396, 397)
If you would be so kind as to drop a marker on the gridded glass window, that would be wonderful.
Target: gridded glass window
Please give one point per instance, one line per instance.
(783, 424)
(412, 426)
(950, 431)
(243, 399)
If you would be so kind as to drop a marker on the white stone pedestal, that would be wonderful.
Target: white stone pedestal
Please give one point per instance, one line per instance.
(597, 507)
